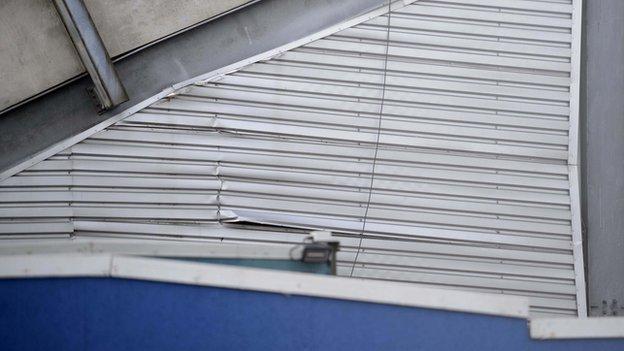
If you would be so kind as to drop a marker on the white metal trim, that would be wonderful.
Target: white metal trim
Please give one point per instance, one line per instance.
(31, 266)
(577, 241)
(575, 81)
(154, 248)
(577, 328)
(574, 159)
(152, 269)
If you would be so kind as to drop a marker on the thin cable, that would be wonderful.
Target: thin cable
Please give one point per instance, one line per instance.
(383, 97)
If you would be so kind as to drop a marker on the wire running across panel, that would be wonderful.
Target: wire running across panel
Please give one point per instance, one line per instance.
(471, 187)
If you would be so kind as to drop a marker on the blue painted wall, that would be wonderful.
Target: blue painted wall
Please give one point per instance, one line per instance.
(116, 314)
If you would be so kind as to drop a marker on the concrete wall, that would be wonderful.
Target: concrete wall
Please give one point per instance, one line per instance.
(603, 159)
(35, 50)
(36, 53)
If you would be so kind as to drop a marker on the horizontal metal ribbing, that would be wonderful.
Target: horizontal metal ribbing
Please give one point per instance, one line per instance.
(471, 187)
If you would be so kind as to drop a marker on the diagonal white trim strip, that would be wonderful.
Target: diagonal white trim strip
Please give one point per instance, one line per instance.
(574, 159)
(343, 288)
(165, 270)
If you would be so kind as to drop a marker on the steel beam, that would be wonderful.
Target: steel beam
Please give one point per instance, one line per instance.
(88, 43)
(38, 129)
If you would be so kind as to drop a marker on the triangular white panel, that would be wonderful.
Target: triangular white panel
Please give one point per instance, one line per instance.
(470, 187)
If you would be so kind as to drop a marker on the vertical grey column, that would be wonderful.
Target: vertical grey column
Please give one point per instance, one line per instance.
(92, 52)
(603, 158)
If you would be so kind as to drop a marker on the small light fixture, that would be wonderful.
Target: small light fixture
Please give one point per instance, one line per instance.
(316, 253)
(322, 249)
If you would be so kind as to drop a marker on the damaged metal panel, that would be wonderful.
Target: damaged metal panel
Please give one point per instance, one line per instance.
(462, 183)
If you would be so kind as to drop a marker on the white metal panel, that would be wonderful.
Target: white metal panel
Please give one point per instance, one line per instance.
(467, 169)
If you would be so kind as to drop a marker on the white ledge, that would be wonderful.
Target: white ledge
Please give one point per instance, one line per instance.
(222, 276)
(577, 328)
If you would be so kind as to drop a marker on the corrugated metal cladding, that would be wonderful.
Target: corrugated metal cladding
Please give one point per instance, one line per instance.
(470, 186)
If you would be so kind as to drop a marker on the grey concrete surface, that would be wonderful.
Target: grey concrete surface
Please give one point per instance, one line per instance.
(128, 24)
(265, 25)
(36, 53)
(602, 121)
(35, 50)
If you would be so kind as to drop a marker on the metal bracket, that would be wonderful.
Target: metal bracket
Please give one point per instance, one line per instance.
(96, 102)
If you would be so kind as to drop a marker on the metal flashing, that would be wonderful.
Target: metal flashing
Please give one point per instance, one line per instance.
(577, 328)
(574, 158)
(129, 267)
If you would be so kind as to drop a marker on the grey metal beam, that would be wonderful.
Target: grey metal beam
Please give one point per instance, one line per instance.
(31, 129)
(34, 61)
(88, 43)
(602, 122)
